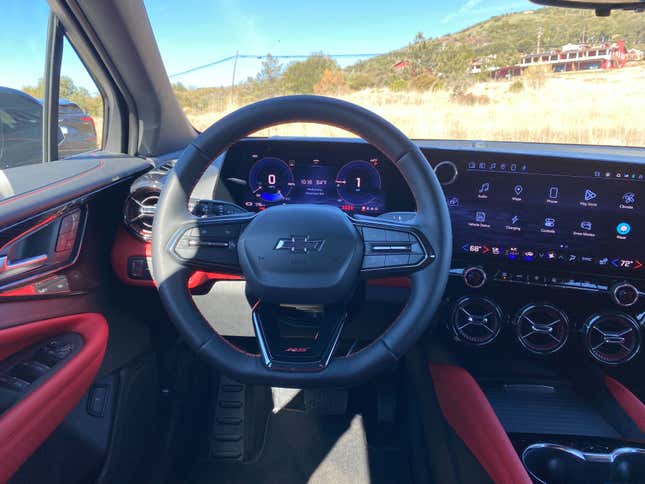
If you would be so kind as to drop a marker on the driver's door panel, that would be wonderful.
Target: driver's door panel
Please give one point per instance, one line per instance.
(38, 410)
(57, 302)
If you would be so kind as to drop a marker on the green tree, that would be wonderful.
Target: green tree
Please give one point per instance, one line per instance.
(269, 76)
(301, 77)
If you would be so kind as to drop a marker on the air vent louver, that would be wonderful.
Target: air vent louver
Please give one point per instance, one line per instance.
(541, 328)
(139, 212)
(613, 338)
(476, 320)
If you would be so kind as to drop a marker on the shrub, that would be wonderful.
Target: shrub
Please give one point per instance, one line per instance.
(398, 85)
(517, 86)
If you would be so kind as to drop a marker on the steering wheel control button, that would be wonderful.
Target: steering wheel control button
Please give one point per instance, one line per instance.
(613, 338)
(210, 244)
(475, 277)
(400, 248)
(624, 294)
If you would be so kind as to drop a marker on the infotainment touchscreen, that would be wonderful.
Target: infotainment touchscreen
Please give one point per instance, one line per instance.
(588, 216)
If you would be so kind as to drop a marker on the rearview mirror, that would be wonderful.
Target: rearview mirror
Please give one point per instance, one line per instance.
(602, 7)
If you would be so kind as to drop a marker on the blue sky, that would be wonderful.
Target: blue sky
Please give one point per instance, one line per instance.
(195, 32)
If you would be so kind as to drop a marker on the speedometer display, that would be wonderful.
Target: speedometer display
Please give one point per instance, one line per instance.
(271, 180)
(358, 182)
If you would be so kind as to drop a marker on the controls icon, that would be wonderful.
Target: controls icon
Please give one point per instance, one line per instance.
(549, 222)
(590, 195)
(623, 228)
(586, 225)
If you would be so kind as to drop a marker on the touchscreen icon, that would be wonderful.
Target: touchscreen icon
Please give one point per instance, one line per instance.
(623, 228)
(629, 198)
(549, 222)
(590, 195)
(484, 187)
(586, 225)
(518, 190)
(515, 219)
(480, 216)
(554, 192)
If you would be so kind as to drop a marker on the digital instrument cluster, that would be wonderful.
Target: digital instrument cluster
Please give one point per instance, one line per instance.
(356, 178)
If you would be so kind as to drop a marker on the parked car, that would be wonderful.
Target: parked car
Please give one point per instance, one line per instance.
(21, 129)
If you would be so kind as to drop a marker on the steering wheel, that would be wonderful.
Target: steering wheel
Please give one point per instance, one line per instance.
(293, 255)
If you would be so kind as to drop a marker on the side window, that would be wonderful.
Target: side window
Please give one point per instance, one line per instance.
(23, 48)
(80, 107)
(23, 41)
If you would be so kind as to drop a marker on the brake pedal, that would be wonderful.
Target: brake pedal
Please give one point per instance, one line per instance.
(325, 401)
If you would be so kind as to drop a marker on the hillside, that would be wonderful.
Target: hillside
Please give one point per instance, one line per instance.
(507, 37)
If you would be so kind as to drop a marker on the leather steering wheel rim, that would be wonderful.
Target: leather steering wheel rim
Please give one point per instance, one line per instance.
(432, 219)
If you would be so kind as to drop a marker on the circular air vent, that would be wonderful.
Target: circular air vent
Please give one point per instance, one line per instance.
(139, 212)
(612, 338)
(446, 172)
(541, 328)
(475, 320)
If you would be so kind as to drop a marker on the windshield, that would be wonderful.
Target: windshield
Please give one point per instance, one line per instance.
(469, 69)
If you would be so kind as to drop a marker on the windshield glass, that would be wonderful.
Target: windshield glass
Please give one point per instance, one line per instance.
(469, 69)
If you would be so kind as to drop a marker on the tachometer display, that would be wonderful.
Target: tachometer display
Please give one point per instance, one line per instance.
(271, 180)
(358, 182)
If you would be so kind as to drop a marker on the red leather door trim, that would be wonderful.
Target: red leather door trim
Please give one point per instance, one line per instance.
(28, 423)
(630, 402)
(469, 413)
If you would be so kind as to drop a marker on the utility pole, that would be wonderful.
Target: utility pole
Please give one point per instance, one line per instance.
(237, 54)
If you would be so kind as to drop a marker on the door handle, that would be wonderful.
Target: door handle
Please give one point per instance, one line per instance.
(12, 268)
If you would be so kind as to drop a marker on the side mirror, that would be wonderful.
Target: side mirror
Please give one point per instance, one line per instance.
(603, 8)
(61, 133)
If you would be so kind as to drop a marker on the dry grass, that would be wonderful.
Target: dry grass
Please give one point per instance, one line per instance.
(600, 107)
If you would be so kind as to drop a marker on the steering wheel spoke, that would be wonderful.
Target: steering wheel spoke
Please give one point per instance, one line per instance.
(298, 337)
(209, 243)
(392, 248)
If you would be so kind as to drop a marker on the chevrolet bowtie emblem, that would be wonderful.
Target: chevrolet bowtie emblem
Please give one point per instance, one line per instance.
(299, 245)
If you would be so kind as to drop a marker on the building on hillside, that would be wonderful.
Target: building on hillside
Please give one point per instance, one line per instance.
(482, 64)
(401, 65)
(571, 57)
(634, 55)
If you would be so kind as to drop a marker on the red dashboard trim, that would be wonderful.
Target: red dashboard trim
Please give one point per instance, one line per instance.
(628, 401)
(28, 423)
(469, 413)
(127, 245)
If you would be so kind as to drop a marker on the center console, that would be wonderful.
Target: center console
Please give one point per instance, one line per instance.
(547, 251)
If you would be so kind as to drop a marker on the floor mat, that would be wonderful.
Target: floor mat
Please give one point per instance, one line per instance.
(300, 448)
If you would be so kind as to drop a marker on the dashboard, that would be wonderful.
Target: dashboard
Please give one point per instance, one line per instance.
(547, 238)
(553, 213)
